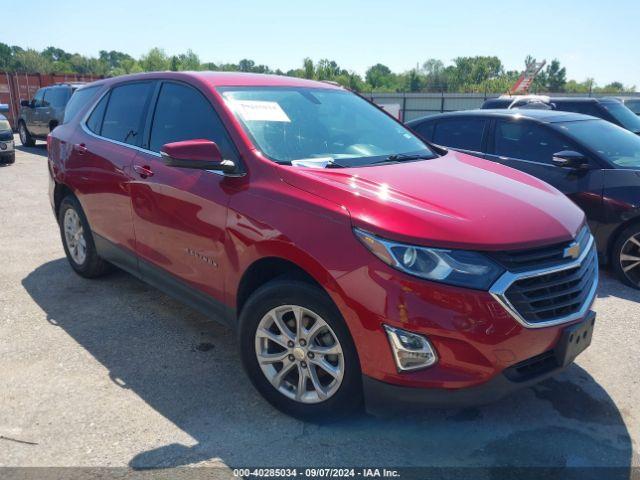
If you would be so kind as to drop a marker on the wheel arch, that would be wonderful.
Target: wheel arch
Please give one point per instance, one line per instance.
(615, 234)
(60, 191)
(266, 269)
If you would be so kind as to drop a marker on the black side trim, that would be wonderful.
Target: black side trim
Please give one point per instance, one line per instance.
(164, 281)
(382, 399)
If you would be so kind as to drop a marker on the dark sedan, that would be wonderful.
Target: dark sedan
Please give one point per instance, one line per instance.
(594, 162)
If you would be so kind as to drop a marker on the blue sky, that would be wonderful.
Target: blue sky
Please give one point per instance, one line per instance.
(591, 38)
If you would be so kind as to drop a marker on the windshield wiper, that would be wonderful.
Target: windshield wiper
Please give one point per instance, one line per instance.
(404, 157)
(401, 157)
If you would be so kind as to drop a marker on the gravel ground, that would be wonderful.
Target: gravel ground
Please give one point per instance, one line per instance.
(111, 372)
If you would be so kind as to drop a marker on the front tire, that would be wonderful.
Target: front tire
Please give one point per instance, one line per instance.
(25, 137)
(298, 352)
(626, 256)
(78, 241)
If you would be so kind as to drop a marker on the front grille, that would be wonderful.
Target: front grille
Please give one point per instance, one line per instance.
(555, 295)
(541, 257)
(550, 290)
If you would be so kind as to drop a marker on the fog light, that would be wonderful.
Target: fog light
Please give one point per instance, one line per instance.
(410, 350)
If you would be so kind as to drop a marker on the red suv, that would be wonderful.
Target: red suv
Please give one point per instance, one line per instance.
(355, 261)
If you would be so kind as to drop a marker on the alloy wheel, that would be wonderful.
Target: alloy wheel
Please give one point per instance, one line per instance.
(630, 259)
(23, 134)
(299, 354)
(74, 236)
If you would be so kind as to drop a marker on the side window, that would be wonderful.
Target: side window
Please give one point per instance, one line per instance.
(183, 113)
(56, 97)
(528, 141)
(463, 133)
(425, 130)
(94, 122)
(38, 98)
(123, 117)
(586, 108)
(78, 100)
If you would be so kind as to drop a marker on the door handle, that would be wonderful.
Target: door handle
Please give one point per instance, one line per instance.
(144, 171)
(80, 148)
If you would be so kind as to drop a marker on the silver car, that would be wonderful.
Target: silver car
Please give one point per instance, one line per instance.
(43, 112)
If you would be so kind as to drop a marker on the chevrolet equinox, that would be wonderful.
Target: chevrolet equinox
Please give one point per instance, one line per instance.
(357, 262)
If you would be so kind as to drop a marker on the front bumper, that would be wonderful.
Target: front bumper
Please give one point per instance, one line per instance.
(383, 398)
(7, 150)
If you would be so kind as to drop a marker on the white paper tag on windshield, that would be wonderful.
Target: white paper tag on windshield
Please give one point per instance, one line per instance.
(254, 110)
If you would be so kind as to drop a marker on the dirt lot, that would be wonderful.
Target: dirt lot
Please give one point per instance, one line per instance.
(111, 372)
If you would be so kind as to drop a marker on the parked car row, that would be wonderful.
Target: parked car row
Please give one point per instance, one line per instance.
(592, 161)
(357, 261)
(612, 110)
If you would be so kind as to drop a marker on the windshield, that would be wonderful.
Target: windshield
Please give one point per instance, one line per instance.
(622, 114)
(318, 126)
(615, 144)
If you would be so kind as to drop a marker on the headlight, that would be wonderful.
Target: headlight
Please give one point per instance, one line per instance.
(454, 267)
(4, 125)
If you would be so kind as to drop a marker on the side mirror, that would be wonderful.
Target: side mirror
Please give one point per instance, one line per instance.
(570, 159)
(25, 103)
(197, 154)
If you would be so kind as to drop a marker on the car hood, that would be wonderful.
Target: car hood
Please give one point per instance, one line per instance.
(455, 201)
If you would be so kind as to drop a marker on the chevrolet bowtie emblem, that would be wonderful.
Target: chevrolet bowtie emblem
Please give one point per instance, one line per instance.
(572, 251)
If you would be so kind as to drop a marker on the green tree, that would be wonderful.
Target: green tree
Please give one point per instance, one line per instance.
(413, 81)
(155, 61)
(379, 76)
(554, 77)
(435, 79)
(468, 72)
(308, 69)
(5, 56)
(30, 61)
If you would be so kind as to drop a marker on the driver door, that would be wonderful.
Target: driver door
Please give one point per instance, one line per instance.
(180, 214)
(529, 147)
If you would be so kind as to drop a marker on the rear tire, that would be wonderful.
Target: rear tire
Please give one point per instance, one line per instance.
(77, 240)
(25, 137)
(626, 256)
(318, 386)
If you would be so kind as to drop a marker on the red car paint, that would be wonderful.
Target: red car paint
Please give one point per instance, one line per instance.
(176, 217)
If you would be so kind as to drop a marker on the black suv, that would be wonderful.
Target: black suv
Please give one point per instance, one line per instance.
(609, 109)
(43, 112)
(594, 162)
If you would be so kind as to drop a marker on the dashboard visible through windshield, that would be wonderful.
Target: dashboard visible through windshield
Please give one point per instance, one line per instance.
(320, 127)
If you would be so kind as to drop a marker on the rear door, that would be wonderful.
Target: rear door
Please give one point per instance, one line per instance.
(180, 214)
(102, 158)
(529, 146)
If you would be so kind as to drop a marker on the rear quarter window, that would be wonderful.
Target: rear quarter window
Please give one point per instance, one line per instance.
(425, 130)
(462, 133)
(585, 108)
(78, 101)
